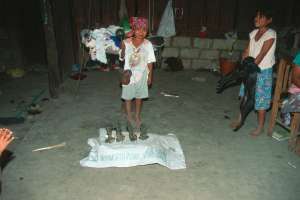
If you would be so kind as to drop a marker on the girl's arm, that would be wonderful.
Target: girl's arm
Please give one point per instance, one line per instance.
(264, 50)
(246, 52)
(150, 75)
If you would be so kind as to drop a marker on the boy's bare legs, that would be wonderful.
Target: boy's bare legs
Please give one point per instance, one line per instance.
(138, 109)
(261, 115)
(130, 122)
(123, 107)
(128, 110)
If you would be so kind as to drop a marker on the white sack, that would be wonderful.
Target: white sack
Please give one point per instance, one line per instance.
(164, 150)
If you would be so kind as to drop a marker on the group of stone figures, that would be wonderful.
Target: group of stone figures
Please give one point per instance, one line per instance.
(114, 133)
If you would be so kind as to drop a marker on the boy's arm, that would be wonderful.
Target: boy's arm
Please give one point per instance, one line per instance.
(150, 74)
(122, 52)
(151, 59)
(264, 50)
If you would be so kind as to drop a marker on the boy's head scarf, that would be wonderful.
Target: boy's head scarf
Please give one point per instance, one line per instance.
(138, 22)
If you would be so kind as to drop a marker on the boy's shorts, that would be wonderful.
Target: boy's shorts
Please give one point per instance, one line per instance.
(137, 90)
(263, 92)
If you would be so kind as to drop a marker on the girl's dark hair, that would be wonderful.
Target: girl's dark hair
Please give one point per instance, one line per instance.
(266, 12)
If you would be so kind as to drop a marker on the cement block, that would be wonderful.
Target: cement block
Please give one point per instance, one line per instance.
(187, 63)
(167, 42)
(209, 54)
(222, 44)
(181, 41)
(234, 55)
(240, 45)
(201, 63)
(189, 53)
(202, 43)
(215, 65)
(170, 52)
(163, 64)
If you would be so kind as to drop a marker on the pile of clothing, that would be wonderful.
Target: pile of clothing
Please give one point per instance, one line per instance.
(102, 41)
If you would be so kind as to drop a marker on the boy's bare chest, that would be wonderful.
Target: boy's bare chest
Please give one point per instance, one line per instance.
(137, 43)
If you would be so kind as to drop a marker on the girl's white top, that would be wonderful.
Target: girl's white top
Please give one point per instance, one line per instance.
(255, 47)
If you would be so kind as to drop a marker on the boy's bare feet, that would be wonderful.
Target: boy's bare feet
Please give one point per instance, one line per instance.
(130, 129)
(138, 122)
(143, 134)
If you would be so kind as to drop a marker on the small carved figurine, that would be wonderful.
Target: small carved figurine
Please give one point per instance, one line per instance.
(119, 136)
(143, 135)
(132, 135)
(110, 138)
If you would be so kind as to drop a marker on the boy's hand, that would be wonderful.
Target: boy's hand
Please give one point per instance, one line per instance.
(6, 136)
(149, 81)
(126, 77)
(122, 51)
(150, 78)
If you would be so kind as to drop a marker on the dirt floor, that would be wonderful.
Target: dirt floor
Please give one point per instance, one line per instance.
(221, 164)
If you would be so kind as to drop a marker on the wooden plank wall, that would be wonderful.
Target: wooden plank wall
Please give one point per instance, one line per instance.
(218, 16)
(20, 27)
(70, 16)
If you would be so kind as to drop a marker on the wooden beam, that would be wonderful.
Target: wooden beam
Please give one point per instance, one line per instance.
(51, 49)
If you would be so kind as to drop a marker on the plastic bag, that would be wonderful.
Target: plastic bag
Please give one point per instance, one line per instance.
(167, 24)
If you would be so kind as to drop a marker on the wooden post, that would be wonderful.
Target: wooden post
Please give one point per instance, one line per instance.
(276, 97)
(294, 131)
(51, 49)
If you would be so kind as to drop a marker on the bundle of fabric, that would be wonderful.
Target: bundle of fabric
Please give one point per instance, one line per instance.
(99, 41)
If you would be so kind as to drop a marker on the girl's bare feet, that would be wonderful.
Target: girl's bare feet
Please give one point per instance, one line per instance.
(258, 131)
(261, 120)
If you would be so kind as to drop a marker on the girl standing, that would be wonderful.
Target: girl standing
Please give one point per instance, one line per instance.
(262, 44)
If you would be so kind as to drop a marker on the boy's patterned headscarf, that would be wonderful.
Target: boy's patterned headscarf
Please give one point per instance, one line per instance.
(138, 22)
